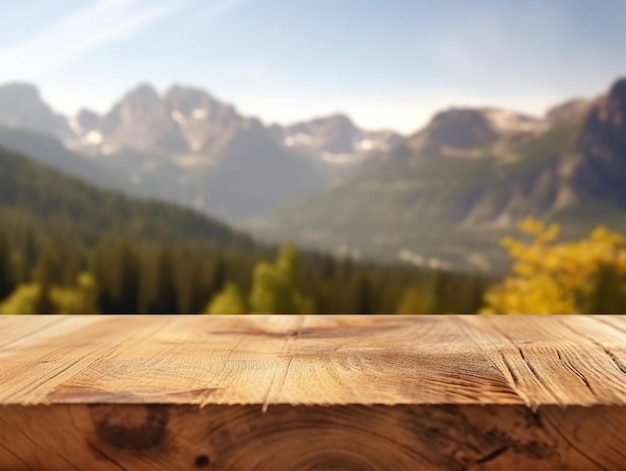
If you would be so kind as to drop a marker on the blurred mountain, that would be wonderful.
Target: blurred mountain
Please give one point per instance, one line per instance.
(602, 169)
(575, 109)
(21, 106)
(189, 147)
(458, 131)
(335, 143)
(445, 195)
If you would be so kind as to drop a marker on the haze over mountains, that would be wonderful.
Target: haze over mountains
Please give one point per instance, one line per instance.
(442, 196)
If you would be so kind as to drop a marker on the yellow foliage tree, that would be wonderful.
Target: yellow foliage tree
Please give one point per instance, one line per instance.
(551, 277)
(78, 299)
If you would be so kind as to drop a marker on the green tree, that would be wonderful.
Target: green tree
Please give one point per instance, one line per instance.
(608, 292)
(418, 299)
(274, 288)
(6, 275)
(82, 298)
(22, 301)
(159, 290)
(78, 299)
(362, 295)
(229, 301)
(120, 275)
(45, 272)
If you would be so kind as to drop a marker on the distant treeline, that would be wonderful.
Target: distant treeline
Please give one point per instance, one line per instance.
(53, 272)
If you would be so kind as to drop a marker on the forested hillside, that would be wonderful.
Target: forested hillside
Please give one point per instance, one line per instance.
(52, 152)
(67, 247)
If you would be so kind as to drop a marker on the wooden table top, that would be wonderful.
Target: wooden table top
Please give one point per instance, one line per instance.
(314, 360)
(312, 393)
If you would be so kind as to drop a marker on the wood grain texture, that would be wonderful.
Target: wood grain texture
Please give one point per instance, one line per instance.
(312, 392)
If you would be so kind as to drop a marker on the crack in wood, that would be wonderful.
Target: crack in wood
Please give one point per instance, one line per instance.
(536, 374)
(515, 387)
(493, 455)
(286, 349)
(575, 370)
(615, 359)
(106, 457)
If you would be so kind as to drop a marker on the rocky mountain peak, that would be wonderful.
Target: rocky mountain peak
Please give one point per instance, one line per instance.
(335, 138)
(338, 121)
(142, 95)
(463, 129)
(140, 121)
(606, 123)
(21, 92)
(460, 128)
(570, 111)
(612, 110)
(21, 105)
(618, 90)
(88, 120)
(183, 120)
(602, 171)
(189, 104)
(188, 99)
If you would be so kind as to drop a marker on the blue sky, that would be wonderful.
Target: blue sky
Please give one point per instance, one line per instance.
(386, 63)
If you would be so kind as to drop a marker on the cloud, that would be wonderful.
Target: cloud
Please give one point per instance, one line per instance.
(79, 33)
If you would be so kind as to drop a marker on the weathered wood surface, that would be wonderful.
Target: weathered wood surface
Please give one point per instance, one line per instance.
(312, 393)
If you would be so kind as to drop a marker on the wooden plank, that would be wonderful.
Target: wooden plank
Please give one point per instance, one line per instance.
(550, 360)
(19, 328)
(313, 392)
(347, 437)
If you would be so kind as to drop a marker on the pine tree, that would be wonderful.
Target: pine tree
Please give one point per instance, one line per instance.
(362, 295)
(121, 279)
(7, 282)
(417, 299)
(160, 293)
(45, 273)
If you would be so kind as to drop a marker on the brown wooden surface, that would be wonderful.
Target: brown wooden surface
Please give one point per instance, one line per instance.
(312, 392)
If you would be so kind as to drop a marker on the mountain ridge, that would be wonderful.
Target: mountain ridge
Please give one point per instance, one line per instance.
(448, 195)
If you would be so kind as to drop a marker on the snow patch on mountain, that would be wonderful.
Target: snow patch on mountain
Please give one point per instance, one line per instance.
(506, 121)
(179, 117)
(199, 113)
(93, 138)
